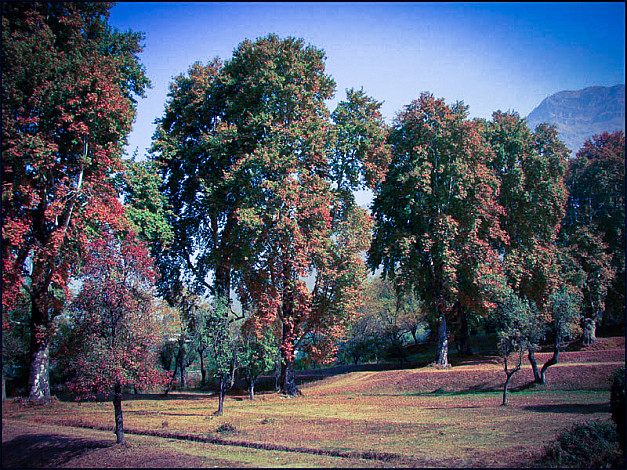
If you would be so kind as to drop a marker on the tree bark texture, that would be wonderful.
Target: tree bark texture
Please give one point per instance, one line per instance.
(552, 361)
(39, 375)
(534, 366)
(117, 407)
(442, 343)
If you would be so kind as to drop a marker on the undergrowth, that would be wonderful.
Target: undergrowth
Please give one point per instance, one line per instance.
(593, 444)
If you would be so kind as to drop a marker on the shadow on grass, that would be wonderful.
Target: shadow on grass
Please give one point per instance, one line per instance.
(45, 450)
(571, 408)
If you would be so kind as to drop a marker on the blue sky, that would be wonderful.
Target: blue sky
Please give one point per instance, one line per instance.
(506, 56)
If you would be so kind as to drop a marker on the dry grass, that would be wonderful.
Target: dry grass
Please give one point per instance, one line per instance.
(422, 417)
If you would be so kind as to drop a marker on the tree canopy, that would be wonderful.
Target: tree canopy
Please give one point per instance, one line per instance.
(69, 83)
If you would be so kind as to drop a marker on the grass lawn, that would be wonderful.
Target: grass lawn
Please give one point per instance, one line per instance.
(407, 418)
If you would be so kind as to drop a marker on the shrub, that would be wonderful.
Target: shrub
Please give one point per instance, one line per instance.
(586, 445)
(226, 428)
(617, 403)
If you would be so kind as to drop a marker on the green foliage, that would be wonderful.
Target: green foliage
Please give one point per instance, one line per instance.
(257, 355)
(593, 444)
(530, 166)
(145, 206)
(218, 331)
(565, 319)
(518, 324)
(594, 225)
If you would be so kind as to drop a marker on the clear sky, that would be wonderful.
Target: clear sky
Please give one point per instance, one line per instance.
(507, 56)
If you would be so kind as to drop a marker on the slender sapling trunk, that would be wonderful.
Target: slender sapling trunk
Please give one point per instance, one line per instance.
(117, 407)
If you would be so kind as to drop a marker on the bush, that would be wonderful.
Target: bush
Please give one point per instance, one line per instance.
(227, 428)
(617, 403)
(586, 445)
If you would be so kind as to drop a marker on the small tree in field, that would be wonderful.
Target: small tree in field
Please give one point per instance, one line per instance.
(222, 347)
(112, 336)
(518, 330)
(257, 355)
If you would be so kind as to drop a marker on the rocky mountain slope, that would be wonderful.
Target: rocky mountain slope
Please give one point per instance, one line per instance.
(581, 114)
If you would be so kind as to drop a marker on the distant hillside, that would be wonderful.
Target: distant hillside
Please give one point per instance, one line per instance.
(581, 114)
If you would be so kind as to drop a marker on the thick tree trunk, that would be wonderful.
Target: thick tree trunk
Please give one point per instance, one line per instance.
(117, 407)
(442, 343)
(534, 365)
(220, 410)
(510, 373)
(287, 380)
(506, 386)
(39, 378)
(251, 390)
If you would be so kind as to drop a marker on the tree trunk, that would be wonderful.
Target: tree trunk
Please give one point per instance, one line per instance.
(220, 410)
(203, 372)
(554, 360)
(510, 374)
(4, 388)
(534, 366)
(464, 334)
(414, 330)
(287, 380)
(183, 378)
(117, 407)
(442, 344)
(39, 378)
(251, 390)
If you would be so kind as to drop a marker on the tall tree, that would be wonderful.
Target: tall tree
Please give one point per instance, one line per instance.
(531, 166)
(301, 216)
(436, 212)
(68, 87)
(113, 335)
(261, 191)
(193, 148)
(594, 226)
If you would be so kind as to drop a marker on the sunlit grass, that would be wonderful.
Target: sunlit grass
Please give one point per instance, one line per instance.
(456, 428)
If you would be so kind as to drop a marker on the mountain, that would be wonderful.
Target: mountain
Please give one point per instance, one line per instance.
(581, 114)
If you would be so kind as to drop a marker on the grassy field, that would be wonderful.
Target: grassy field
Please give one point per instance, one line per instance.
(406, 418)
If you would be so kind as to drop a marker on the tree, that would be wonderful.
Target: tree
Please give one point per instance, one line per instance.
(563, 325)
(112, 339)
(297, 217)
(518, 330)
(531, 168)
(68, 87)
(436, 215)
(594, 225)
(257, 355)
(222, 347)
(193, 147)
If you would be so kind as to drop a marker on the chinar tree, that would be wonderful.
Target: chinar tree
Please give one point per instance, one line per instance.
(305, 230)
(593, 231)
(260, 178)
(69, 83)
(436, 213)
(531, 167)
